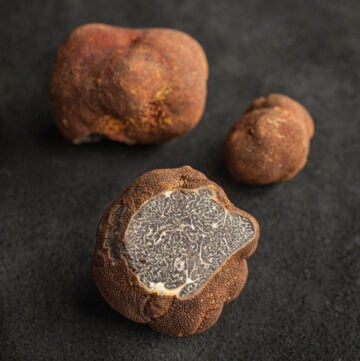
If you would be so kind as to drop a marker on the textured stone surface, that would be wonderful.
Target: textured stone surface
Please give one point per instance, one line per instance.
(301, 299)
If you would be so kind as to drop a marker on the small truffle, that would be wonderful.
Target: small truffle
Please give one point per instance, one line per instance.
(270, 142)
(172, 250)
(128, 85)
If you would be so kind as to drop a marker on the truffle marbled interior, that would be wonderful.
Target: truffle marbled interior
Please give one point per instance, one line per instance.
(178, 239)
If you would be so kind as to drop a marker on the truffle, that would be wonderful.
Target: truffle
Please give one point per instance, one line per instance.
(270, 142)
(128, 85)
(171, 250)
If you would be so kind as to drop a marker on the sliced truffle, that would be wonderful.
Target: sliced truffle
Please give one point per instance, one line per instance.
(129, 85)
(171, 250)
(270, 142)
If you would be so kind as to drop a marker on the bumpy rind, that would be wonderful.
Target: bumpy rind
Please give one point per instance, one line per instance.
(129, 85)
(270, 142)
(120, 286)
(275, 101)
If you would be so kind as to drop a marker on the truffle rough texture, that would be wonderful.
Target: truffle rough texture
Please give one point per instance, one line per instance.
(270, 142)
(128, 85)
(172, 250)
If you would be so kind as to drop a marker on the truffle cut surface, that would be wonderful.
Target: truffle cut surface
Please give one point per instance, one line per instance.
(172, 249)
(178, 239)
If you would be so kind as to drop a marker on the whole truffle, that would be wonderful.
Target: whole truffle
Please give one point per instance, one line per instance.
(128, 85)
(172, 250)
(270, 142)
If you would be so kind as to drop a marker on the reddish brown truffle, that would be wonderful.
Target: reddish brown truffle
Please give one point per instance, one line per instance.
(270, 142)
(172, 250)
(129, 85)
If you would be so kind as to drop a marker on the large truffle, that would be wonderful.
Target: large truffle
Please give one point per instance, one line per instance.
(129, 85)
(171, 250)
(270, 142)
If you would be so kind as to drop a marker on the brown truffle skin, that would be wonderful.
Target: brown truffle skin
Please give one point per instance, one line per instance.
(270, 143)
(129, 85)
(120, 286)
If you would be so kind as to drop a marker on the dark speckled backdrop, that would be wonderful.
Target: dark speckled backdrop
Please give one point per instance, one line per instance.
(302, 299)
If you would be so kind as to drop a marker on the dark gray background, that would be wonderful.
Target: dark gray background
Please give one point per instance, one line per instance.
(302, 298)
